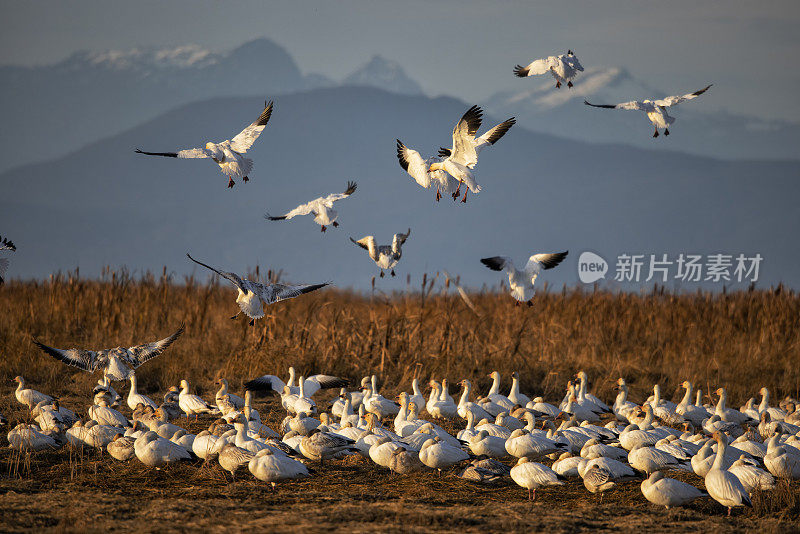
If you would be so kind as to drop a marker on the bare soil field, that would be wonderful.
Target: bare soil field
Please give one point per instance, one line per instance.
(742, 341)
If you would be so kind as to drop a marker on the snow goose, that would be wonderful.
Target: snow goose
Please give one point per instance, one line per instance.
(419, 169)
(312, 384)
(729, 415)
(29, 397)
(601, 449)
(583, 392)
(321, 446)
(751, 476)
(348, 416)
(567, 465)
(691, 412)
(382, 450)
(753, 449)
(303, 424)
(53, 417)
(493, 429)
(104, 386)
(563, 67)
(533, 475)
(440, 406)
(404, 461)
(416, 396)
(231, 457)
(321, 208)
(669, 492)
(439, 455)
(235, 400)
(121, 448)
(118, 363)
(664, 409)
(377, 404)
(404, 423)
(622, 407)
(514, 395)
(618, 470)
(134, 397)
(469, 431)
(722, 485)
(581, 413)
(521, 282)
(649, 459)
(782, 460)
(509, 421)
(25, 437)
(105, 415)
(227, 154)
(656, 110)
(155, 451)
(465, 406)
(540, 406)
(384, 256)
(522, 443)
(192, 404)
(633, 436)
(479, 473)
(596, 479)
(496, 397)
(203, 444)
(484, 444)
(251, 294)
(270, 467)
(775, 413)
(5, 244)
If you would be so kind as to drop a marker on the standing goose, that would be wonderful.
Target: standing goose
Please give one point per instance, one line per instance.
(521, 282)
(466, 407)
(564, 68)
(118, 363)
(252, 294)
(533, 475)
(29, 397)
(321, 208)
(227, 154)
(669, 492)
(312, 384)
(514, 395)
(656, 110)
(384, 256)
(5, 244)
(231, 458)
(192, 404)
(235, 400)
(134, 397)
(721, 484)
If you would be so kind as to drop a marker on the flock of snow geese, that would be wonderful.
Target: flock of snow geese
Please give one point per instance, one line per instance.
(735, 451)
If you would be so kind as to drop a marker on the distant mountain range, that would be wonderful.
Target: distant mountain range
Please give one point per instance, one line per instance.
(105, 205)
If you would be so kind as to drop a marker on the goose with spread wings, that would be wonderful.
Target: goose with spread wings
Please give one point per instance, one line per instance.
(384, 256)
(521, 281)
(118, 363)
(227, 154)
(252, 294)
(419, 169)
(5, 244)
(564, 68)
(321, 208)
(656, 110)
(311, 385)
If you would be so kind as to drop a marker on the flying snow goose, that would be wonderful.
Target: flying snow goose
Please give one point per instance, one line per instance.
(312, 384)
(656, 110)
(521, 282)
(29, 397)
(564, 68)
(251, 294)
(384, 256)
(419, 169)
(5, 244)
(669, 492)
(118, 363)
(227, 154)
(321, 208)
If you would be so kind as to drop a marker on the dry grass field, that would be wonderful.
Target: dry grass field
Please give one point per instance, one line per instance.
(742, 341)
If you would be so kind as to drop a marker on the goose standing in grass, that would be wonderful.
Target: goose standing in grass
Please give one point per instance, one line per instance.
(235, 400)
(270, 467)
(564, 68)
(416, 396)
(597, 479)
(514, 395)
(252, 294)
(775, 413)
(584, 396)
(693, 413)
(192, 404)
(729, 415)
(669, 492)
(721, 484)
(227, 154)
(321, 208)
(656, 110)
(521, 281)
(533, 475)
(134, 397)
(465, 406)
(5, 244)
(231, 458)
(384, 256)
(118, 363)
(29, 397)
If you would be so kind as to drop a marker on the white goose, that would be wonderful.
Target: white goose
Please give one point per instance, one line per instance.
(439, 455)
(312, 384)
(29, 397)
(416, 396)
(384, 256)
(656, 110)
(192, 404)
(235, 400)
(270, 467)
(134, 397)
(118, 363)
(252, 294)
(521, 281)
(155, 451)
(419, 169)
(514, 395)
(533, 475)
(775, 413)
(691, 412)
(563, 67)
(321, 208)
(227, 154)
(751, 476)
(669, 492)
(25, 437)
(721, 484)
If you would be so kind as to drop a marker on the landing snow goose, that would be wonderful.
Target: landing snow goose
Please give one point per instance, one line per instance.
(235, 400)
(384, 256)
(439, 455)
(29, 397)
(669, 492)
(134, 397)
(419, 169)
(321, 446)
(227, 154)
(231, 458)
(751, 476)
(252, 294)
(533, 475)
(656, 110)
(118, 363)
(521, 281)
(564, 68)
(5, 244)
(721, 484)
(270, 467)
(192, 404)
(312, 384)
(321, 208)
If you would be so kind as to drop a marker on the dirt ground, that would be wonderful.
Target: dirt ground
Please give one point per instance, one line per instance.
(71, 491)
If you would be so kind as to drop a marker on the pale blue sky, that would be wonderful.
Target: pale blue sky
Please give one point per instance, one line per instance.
(462, 48)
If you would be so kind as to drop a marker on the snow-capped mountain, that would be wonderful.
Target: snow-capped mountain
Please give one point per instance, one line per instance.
(384, 74)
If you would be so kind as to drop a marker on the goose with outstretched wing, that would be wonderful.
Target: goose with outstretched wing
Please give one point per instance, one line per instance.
(419, 169)
(227, 154)
(564, 68)
(384, 256)
(118, 363)
(521, 281)
(321, 208)
(656, 110)
(253, 294)
(5, 244)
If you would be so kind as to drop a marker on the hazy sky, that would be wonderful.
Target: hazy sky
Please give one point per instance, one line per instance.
(463, 48)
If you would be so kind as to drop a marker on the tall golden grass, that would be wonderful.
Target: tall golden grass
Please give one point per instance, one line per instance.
(742, 340)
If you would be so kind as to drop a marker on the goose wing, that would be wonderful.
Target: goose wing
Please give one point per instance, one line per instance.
(413, 164)
(536, 67)
(245, 139)
(302, 209)
(229, 276)
(82, 359)
(498, 263)
(328, 381)
(399, 239)
(674, 100)
(545, 261)
(463, 151)
(139, 354)
(7, 244)
(265, 383)
(633, 105)
(273, 293)
(494, 135)
(572, 62)
(330, 199)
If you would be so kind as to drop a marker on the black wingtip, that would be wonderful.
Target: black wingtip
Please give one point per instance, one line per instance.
(520, 71)
(351, 188)
(271, 218)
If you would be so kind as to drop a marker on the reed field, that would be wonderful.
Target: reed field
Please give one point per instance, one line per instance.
(742, 341)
